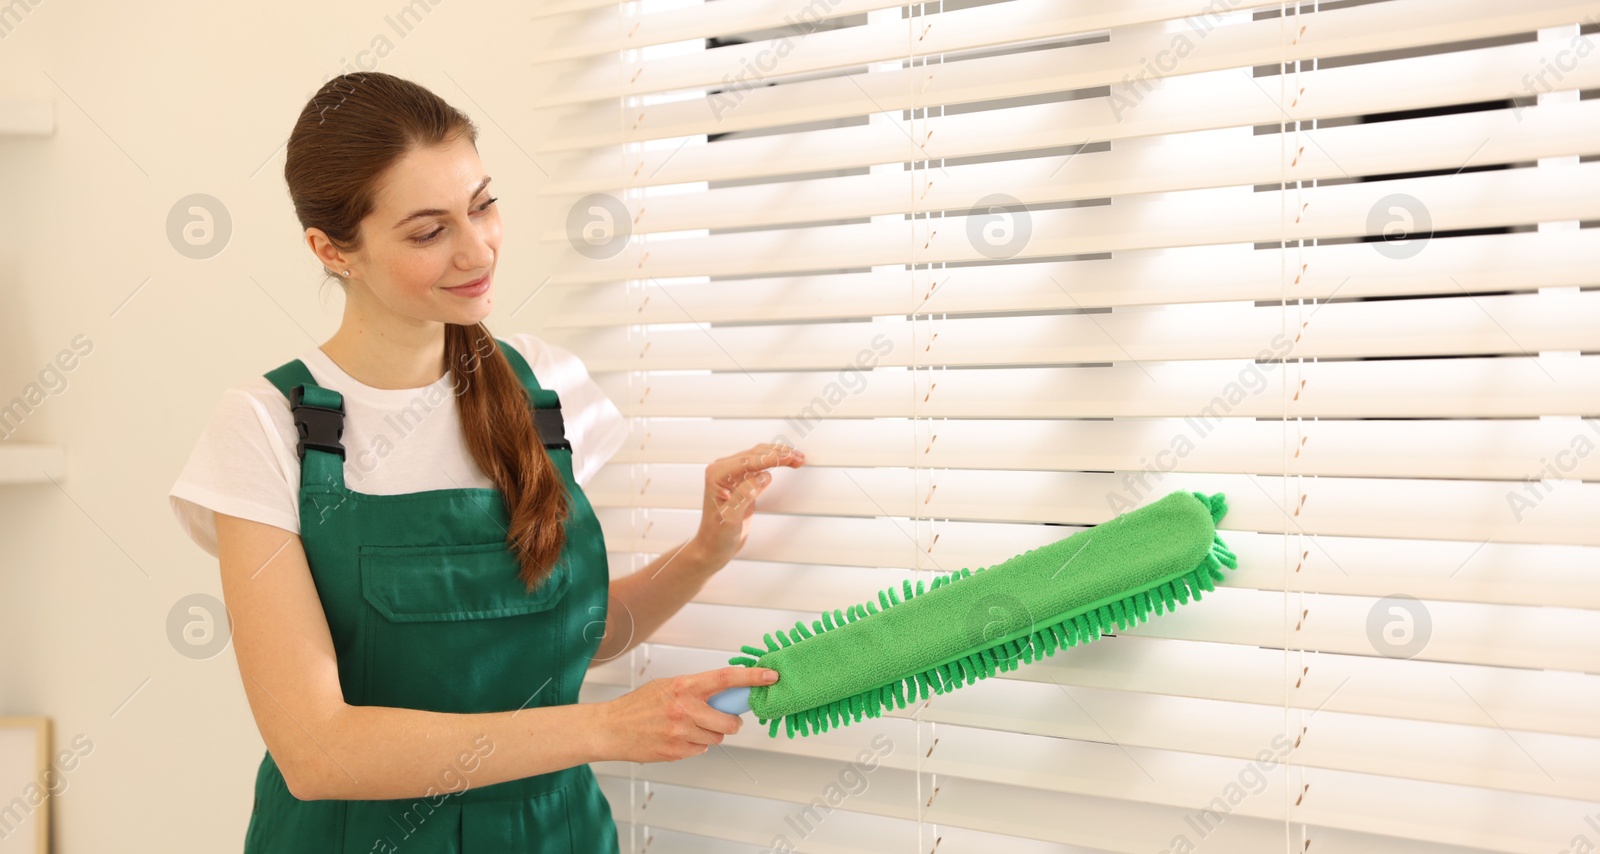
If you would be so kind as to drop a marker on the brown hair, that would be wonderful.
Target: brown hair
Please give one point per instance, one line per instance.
(349, 135)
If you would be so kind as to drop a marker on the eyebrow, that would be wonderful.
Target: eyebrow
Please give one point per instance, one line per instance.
(421, 214)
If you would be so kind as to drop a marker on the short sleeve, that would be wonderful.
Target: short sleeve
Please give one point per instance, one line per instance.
(595, 426)
(237, 467)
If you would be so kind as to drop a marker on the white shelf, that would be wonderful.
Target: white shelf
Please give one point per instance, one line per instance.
(30, 463)
(27, 117)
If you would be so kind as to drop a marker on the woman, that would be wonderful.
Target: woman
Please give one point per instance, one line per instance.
(412, 650)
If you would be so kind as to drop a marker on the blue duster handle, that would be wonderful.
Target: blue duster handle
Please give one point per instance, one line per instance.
(734, 701)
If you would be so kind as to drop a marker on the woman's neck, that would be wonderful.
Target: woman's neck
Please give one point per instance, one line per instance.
(382, 362)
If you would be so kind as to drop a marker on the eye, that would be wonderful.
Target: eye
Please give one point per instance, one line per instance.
(429, 238)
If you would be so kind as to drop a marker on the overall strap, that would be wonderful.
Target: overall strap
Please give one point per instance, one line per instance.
(546, 403)
(319, 421)
(319, 417)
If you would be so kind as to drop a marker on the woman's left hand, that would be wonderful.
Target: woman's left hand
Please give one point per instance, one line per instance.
(733, 484)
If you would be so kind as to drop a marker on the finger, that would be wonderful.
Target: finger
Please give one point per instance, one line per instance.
(771, 454)
(704, 737)
(756, 458)
(752, 482)
(749, 492)
(708, 682)
(715, 724)
(750, 487)
(766, 455)
(741, 502)
(745, 488)
(706, 725)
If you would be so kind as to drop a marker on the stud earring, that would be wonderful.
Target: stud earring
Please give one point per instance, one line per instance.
(347, 272)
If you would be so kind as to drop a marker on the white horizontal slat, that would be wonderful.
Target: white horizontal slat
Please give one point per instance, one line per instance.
(576, 34)
(1471, 745)
(1179, 104)
(1196, 160)
(1465, 510)
(894, 792)
(1119, 746)
(1100, 766)
(1343, 625)
(1536, 575)
(685, 820)
(798, 51)
(1346, 803)
(746, 818)
(1113, 824)
(718, 812)
(1445, 326)
(1402, 388)
(1490, 697)
(1393, 25)
(999, 719)
(1195, 217)
(664, 840)
(1421, 690)
(1116, 827)
(1503, 449)
(951, 840)
(1460, 509)
(1112, 763)
(1516, 261)
(1162, 731)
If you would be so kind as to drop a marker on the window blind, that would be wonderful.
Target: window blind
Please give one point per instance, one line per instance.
(1007, 268)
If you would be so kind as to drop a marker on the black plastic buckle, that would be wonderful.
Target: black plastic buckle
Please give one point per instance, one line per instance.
(550, 423)
(319, 427)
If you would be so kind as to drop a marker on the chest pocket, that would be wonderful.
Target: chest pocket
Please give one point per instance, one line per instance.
(446, 624)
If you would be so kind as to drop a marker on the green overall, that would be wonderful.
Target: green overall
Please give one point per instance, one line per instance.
(427, 611)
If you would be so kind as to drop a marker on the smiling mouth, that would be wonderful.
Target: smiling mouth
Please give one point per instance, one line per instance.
(471, 284)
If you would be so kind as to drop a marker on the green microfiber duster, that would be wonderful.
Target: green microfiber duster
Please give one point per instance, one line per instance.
(968, 625)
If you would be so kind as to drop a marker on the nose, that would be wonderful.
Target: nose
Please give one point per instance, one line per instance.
(476, 252)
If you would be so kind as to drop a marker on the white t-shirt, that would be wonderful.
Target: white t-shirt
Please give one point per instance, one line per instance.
(396, 441)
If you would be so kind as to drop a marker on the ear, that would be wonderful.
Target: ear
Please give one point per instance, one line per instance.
(333, 261)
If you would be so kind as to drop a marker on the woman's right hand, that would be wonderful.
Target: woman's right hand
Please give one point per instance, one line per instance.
(665, 720)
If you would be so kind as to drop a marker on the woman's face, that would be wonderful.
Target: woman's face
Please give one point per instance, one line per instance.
(434, 227)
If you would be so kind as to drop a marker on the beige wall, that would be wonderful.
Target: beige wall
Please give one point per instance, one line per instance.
(155, 102)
